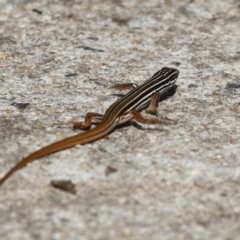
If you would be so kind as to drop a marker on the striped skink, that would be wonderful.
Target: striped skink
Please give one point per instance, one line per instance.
(126, 108)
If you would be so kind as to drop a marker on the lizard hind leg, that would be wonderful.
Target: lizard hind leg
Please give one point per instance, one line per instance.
(90, 118)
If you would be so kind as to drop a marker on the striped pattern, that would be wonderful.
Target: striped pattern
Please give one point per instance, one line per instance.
(136, 99)
(141, 96)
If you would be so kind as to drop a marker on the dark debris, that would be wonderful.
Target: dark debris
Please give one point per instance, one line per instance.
(91, 49)
(20, 105)
(64, 185)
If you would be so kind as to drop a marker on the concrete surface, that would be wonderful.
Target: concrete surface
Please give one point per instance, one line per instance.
(58, 60)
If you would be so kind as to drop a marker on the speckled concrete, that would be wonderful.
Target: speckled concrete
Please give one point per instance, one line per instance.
(57, 62)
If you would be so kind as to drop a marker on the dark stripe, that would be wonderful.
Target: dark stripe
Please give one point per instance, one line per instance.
(139, 97)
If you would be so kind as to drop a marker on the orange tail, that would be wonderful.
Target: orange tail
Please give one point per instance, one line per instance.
(82, 138)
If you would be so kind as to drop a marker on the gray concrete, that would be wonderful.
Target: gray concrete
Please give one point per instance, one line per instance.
(172, 182)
